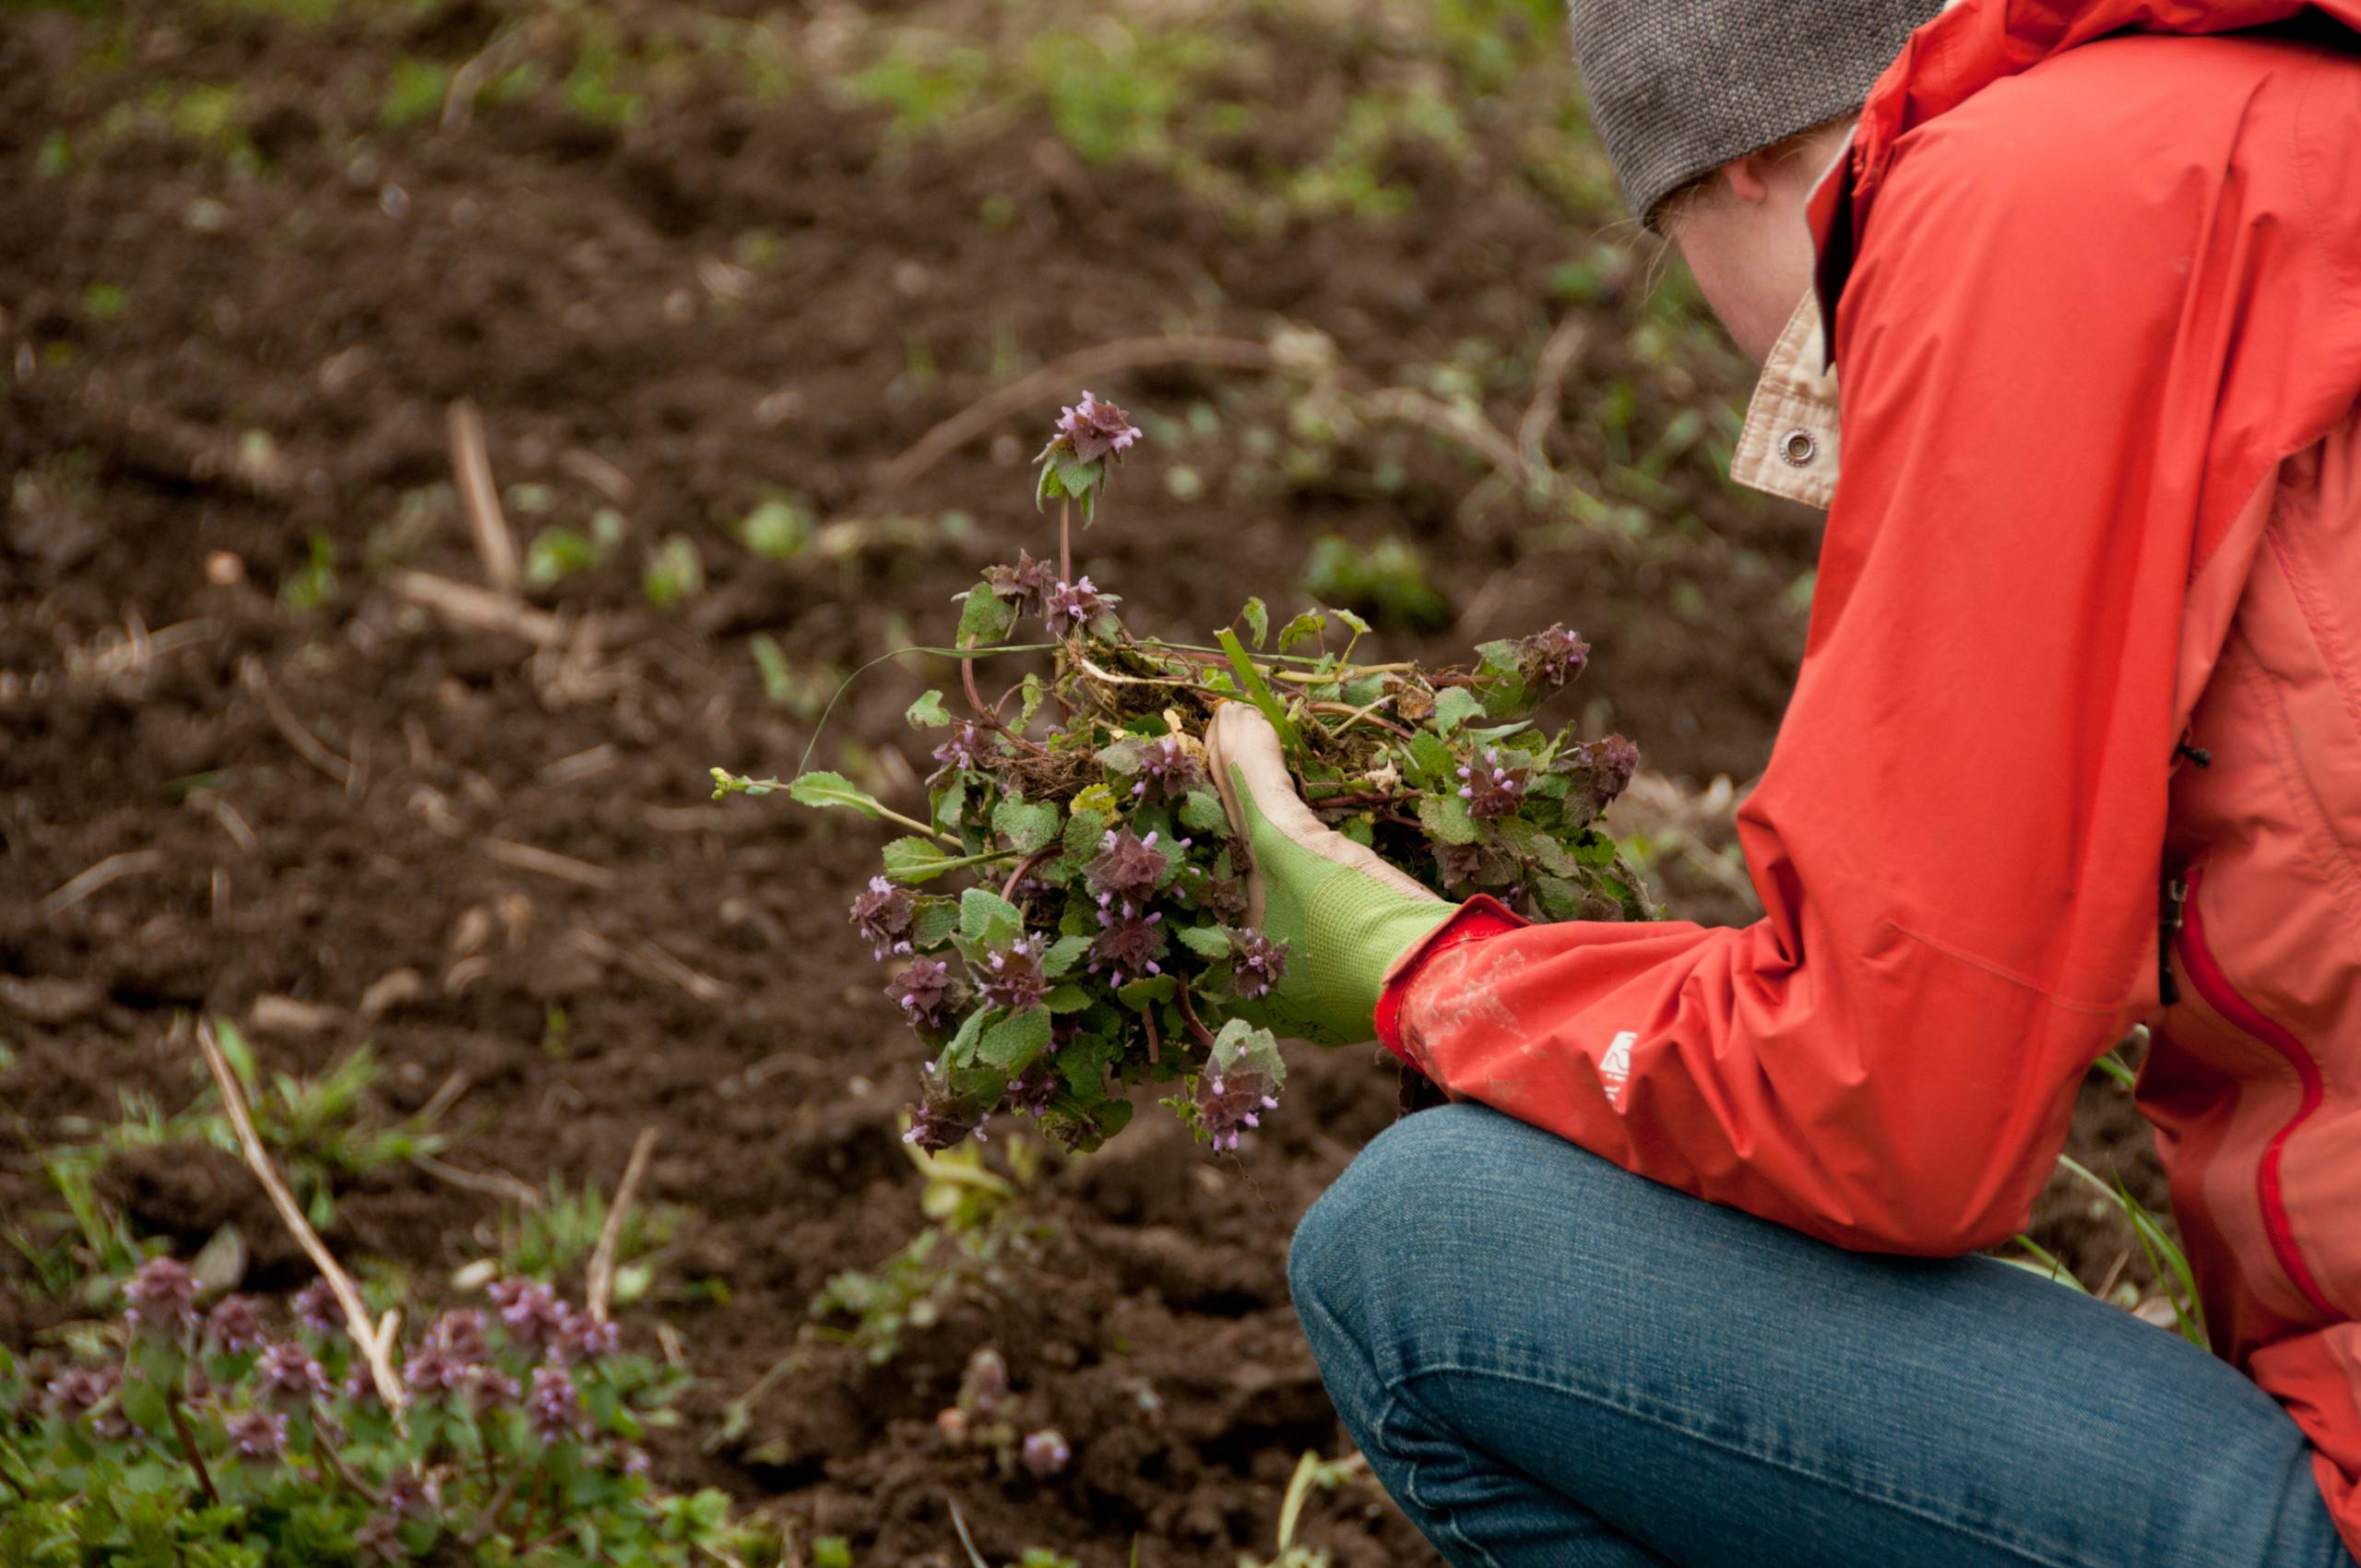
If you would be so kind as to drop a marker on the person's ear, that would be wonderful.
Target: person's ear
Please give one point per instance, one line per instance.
(1749, 178)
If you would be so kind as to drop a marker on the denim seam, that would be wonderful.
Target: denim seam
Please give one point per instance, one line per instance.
(1918, 1508)
(1385, 1412)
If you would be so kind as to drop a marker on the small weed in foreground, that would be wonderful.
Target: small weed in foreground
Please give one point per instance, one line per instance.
(222, 1440)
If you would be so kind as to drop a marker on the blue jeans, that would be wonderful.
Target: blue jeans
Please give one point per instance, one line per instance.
(1549, 1360)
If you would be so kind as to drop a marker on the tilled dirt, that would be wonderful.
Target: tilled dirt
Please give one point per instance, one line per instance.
(362, 813)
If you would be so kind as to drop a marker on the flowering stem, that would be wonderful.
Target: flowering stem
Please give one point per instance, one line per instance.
(488, 1520)
(1354, 715)
(1189, 1013)
(1025, 869)
(188, 1446)
(890, 814)
(1155, 1046)
(1065, 540)
(336, 1466)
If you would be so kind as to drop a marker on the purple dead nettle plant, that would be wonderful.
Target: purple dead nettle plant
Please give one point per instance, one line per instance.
(519, 1428)
(1067, 919)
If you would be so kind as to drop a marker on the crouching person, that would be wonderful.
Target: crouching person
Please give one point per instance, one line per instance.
(1680, 1276)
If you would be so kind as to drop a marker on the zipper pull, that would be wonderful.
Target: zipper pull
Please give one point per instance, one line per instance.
(2171, 908)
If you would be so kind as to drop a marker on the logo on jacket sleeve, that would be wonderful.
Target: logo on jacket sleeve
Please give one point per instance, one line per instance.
(1615, 1067)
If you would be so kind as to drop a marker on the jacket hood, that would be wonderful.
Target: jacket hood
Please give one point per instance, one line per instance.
(1970, 47)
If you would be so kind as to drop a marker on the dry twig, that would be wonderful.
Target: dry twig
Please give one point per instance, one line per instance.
(491, 1183)
(375, 1341)
(471, 467)
(1029, 391)
(1557, 361)
(114, 868)
(463, 604)
(601, 1282)
(307, 745)
(548, 863)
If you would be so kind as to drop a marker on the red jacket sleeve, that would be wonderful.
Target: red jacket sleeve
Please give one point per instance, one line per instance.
(1957, 839)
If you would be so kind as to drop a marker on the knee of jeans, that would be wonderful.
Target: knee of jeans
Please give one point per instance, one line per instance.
(1360, 1244)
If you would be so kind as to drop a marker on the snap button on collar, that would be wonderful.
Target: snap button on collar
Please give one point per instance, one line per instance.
(1798, 447)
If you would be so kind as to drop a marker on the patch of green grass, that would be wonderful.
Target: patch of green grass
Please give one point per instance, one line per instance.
(105, 302)
(313, 585)
(778, 529)
(1112, 91)
(674, 572)
(56, 158)
(1386, 581)
(926, 80)
(556, 553)
(414, 90)
(593, 89)
(556, 1240)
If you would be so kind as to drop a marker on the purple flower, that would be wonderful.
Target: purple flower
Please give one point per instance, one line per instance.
(636, 1462)
(882, 914)
(985, 1383)
(1168, 770)
(1257, 964)
(1459, 864)
(1492, 788)
(1045, 1453)
(1026, 585)
(78, 1390)
(161, 1295)
(531, 1312)
(555, 1408)
(1222, 897)
(1031, 1090)
(1612, 762)
(925, 990)
(1129, 944)
(234, 1324)
(489, 1388)
(290, 1375)
(433, 1371)
(1076, 604)
(459, 1334)
(1556, 656)
(317, 1309)
(1128, 867)
(412, 1493)
(258, 1434)
(941, 1121)
(971, 747)
(1096, 430)
(587, 1338)
(380, 1536)
(1012, 976)
(1230, 1099)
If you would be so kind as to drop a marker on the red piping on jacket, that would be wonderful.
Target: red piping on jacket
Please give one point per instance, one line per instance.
(2223, 998)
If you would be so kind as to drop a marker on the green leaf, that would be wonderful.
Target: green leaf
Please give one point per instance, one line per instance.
(1359, 626)
(1240, 1044)
(1013, 1044)
(916, 860)
(1206, 940)
(1560, 899)
(1030, 703)
(1597, 850)
(1303, 628)
(142, 1402)
(1454, 705)
(1201, 812)
(1083, 1063)
(1066, 999)
(1064, 955)
(928, 712)
(1077, 478)
(831, 790)
(1083, 829)
(1140, 994)
(1258, 621)
(1027, 827)
(985, 916)
(1257, 690)
(961, 1051)
(987, 618)
(1432, 760)
(1445, 817)
(1533, 844)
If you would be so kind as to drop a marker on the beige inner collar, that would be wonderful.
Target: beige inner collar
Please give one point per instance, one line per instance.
(1787, 446)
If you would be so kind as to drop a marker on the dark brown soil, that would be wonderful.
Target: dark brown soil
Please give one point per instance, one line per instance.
(279, 370)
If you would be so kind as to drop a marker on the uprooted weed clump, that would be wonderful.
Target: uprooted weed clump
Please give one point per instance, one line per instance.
(1104, 939)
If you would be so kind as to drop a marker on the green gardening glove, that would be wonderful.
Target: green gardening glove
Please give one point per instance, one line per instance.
(1345, 916)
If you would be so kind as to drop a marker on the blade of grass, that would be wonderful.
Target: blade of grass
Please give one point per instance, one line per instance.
(1257, 690)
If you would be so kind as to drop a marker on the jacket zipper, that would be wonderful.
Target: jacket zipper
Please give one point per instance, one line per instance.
(2223, 998)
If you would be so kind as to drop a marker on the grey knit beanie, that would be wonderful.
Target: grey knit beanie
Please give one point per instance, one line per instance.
(1678, 88)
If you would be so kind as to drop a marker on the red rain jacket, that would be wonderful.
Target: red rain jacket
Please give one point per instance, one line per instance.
(2093, 270)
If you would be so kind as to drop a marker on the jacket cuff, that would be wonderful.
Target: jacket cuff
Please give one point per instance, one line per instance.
(1480, 917)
